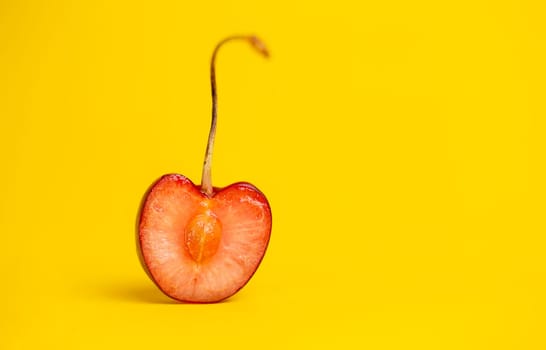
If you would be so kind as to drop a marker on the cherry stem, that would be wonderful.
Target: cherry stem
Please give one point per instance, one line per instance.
(206, 179)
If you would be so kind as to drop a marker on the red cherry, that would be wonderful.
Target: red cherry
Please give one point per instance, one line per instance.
(200, 243)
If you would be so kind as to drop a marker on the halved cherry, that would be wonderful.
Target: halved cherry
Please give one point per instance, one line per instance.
(199, 243)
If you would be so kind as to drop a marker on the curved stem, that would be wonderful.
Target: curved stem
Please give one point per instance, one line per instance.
(206, 179)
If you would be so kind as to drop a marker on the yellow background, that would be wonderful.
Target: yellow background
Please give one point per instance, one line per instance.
(401, 146)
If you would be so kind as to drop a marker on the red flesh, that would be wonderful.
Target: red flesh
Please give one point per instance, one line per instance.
(198, 248)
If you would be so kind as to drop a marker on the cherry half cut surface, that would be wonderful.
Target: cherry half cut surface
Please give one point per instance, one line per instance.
(202, 244)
